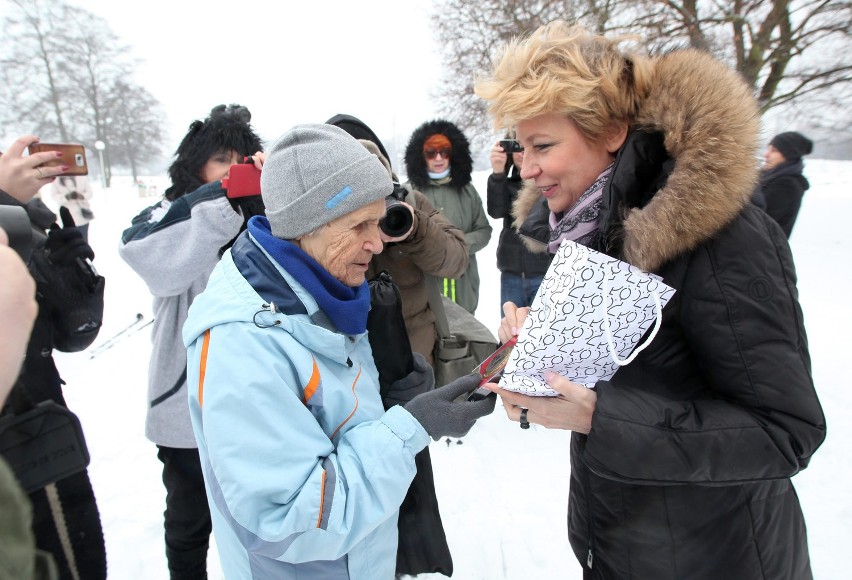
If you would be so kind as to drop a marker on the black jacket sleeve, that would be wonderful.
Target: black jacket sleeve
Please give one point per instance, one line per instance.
(500, 195)
(783, 197)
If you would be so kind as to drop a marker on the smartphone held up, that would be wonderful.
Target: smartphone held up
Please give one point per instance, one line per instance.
(73, 156)
(243, 180)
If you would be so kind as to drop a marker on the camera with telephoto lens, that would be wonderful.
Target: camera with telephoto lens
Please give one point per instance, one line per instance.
(511, 146)
(15, 221)
(398, 219)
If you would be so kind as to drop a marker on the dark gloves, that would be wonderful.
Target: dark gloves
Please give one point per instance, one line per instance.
(440, 413)
(420, 380)
(68, 286)
(66, 244)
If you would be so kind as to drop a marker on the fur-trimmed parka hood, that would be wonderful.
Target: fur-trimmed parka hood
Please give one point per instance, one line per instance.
(461, 163)
(688, 167)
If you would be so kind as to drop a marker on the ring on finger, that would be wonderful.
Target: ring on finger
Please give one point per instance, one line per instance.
(40, 176)
(525, 424)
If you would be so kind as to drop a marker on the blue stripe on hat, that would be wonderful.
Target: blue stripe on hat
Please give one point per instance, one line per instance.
(339, 197)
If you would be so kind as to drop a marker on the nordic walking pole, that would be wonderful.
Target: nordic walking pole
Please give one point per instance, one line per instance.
(109, 342)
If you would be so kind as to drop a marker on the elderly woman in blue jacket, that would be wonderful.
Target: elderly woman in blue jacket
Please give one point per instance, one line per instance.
(304, 469)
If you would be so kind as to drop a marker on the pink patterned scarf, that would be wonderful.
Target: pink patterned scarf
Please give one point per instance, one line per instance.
(580, 222)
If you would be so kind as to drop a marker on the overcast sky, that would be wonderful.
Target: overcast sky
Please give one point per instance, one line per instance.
(288, 62)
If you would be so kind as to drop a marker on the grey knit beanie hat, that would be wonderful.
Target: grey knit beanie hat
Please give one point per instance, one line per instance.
(314, 174)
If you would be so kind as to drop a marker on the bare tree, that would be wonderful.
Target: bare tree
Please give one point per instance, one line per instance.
(788, 50)
(134, 140)
(792, 52)
(67, 77)
(35, 56)
(470, 32)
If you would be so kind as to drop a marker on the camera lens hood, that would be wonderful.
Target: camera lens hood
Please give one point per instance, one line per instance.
(397, 220)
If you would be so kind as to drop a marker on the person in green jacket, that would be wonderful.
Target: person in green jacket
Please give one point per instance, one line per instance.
(439, 164)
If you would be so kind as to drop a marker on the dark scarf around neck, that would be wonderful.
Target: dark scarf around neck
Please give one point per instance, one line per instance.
(346, 307)
(793, 167)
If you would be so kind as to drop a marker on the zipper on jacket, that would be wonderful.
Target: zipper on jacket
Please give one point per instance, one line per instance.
(587, 483)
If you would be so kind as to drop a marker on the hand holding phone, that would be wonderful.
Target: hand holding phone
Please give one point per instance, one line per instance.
(73, 156)
(492, 367)
(243, 180)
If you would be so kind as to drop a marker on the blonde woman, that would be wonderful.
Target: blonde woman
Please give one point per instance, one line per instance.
(681, 463)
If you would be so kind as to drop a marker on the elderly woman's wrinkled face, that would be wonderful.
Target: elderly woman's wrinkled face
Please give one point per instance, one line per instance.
(561, 161)
(346, 245)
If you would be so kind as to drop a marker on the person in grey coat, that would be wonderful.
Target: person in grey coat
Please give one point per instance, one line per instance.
(174, 245)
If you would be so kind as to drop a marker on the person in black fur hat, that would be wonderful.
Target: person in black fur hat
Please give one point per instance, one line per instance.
(173, 245)
(439, 164)
(782, 184)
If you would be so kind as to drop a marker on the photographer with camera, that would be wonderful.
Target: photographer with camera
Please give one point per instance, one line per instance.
(19, 557)
(418, 242)
(431, 247)
(522, 255)
(69, 293)
(173, 246)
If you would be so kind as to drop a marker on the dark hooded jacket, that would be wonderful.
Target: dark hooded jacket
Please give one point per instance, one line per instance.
(686, 470)
(435, 247)
(783, 187)
(513, 256)
(456, 198)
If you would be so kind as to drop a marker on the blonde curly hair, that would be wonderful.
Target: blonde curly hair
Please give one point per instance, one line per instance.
(564, 68)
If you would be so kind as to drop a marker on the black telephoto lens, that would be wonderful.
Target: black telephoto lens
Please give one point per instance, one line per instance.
(397, 218)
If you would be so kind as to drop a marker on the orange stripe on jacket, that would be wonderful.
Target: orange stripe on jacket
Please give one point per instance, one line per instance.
(203, 366)
(313, 383)
(346, 420)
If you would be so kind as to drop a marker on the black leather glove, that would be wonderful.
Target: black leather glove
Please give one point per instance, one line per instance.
(66, 244)
(420, 380)
(441, 414)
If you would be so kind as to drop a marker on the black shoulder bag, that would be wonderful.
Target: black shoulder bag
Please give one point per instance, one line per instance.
(422, 544)
(43, 445)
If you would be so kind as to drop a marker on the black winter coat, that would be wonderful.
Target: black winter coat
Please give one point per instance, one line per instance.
(685, 473)
(782, 188)
(68, 320)
(513, 256)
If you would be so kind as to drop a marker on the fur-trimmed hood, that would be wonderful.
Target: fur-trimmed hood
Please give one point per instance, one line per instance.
(461, 163)
(708, 122)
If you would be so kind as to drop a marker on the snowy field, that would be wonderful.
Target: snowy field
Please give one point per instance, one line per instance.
(503, 491)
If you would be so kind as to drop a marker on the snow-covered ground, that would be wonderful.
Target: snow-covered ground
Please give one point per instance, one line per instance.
(503, 491)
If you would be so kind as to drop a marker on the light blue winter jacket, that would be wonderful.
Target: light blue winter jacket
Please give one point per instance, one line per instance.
(304, 470)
